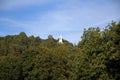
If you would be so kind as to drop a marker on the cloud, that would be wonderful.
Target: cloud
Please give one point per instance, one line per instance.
(1, 33)
(13, 23)
(74, 18)
(67, 18)
(13, 4)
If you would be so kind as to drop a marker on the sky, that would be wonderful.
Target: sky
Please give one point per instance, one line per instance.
(56, 17)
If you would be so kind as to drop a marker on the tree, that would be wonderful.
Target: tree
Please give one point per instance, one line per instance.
(10, 68)
(100, 51)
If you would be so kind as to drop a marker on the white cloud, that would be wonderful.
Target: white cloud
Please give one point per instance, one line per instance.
(12, 4)
(70, 16)
(12, 22)
(1, 33)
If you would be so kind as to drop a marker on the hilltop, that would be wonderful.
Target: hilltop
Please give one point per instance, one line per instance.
(95, 57)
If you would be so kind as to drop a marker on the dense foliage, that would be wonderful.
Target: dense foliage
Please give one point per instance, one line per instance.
(96, 57)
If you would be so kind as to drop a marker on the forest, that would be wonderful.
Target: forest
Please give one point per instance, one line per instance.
(95, 57)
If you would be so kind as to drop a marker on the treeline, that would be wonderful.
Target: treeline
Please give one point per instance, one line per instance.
(95, 57)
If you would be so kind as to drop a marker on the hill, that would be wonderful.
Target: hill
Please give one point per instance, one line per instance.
(95, 57)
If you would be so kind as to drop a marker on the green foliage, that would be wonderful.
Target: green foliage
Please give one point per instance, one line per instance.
(101, 50)
(10, 68)
(96, 57)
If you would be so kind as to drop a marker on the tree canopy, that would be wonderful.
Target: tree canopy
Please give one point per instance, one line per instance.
(95, 57)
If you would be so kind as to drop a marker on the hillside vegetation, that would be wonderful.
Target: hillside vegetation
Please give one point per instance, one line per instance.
(95, 57)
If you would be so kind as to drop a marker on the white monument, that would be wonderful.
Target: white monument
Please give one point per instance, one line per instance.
(60, 40)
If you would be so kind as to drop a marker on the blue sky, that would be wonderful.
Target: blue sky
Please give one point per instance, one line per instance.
(56, 17)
